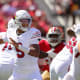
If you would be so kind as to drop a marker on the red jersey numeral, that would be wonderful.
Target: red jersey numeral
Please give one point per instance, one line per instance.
(6, 46)
(20, 54)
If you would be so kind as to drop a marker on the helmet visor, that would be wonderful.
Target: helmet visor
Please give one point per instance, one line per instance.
(53, 35)
(54, 38)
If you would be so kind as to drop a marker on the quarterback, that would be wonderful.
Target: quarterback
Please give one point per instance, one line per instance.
(52, 46)
(24, 40)
(26, 44)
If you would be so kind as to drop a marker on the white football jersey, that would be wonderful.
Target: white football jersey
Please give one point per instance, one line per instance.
(7, 58)
(27, 64)
(6, 55)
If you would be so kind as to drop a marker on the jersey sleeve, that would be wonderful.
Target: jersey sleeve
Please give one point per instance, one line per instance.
(36, 35)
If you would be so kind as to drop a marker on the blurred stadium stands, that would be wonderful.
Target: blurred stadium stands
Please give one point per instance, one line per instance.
(45, 13)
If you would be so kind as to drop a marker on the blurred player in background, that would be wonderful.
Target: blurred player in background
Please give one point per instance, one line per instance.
(74, 73)
(61, 64)
(7, 56)
(52, 46)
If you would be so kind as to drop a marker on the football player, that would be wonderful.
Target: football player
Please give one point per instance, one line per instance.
(26, 44)
(25, 40)
(74, 73)
(65, 62)
(52, 46)
(7, 57)
(60, 64)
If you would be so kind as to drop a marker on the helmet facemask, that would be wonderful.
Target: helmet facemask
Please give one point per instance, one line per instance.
(23, 24)
(54, 36)
(54, 39)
